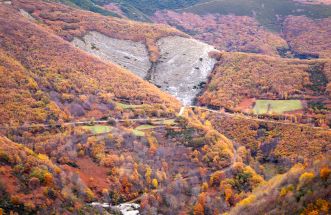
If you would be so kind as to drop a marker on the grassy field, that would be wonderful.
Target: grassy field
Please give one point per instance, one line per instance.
(139, 131)
(276, 106)
(98, 129)
(165, 122)
(143, 127)
(265, 11)
(127, 106)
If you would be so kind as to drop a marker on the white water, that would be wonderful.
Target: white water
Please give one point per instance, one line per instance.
(125, 208)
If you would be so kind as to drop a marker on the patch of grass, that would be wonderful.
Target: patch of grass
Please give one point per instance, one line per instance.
(138, 133)
(132, 12)
(98, 129)
(276, 106)
(128, 106)
(165, 122)
(144, 127)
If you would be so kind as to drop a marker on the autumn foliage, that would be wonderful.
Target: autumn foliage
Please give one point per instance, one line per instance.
(202, 162)
(238, 76)
(300, 190)
(311, 40)
(49, 79)
(225, 32)
(275, 142)
(31, 182)
(239, 79)
(69, 23)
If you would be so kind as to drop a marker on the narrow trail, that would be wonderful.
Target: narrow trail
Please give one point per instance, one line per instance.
(86, 122)
(181, 112)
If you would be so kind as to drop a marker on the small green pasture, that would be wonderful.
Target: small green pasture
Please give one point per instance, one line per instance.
(128, 106)
(144, 127)
(98, 129)
(139, 131)
(165, 122)
(276, 106)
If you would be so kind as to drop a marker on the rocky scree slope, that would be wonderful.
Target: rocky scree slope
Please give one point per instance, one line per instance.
(182, 68)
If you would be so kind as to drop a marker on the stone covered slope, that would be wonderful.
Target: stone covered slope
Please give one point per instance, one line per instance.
(183, 66)
(126, 53)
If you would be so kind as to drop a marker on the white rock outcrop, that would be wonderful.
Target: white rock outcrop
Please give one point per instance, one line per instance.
(27, 15)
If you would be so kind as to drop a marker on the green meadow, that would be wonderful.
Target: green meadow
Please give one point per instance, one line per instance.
(276, 106)
(98, 129)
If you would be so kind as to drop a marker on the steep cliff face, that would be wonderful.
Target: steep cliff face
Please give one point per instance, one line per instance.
(181, 70)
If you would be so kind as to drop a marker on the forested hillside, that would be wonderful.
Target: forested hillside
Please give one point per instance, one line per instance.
(225, 32)
(247, 130)
(61, 78)
(90, 6)
(317, 32)
(32, 183)
(68, 23)
(137, 10)
(269, 14)
(301, 85)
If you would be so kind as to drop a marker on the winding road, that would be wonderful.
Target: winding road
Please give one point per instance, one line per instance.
(181, 113)
(85, 122)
